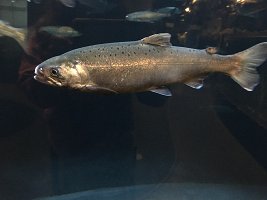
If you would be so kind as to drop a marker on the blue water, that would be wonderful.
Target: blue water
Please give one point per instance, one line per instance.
(198, 144)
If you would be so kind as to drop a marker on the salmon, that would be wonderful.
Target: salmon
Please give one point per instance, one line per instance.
(149, 64)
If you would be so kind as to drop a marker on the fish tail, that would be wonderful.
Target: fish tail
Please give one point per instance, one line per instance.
(245, 73)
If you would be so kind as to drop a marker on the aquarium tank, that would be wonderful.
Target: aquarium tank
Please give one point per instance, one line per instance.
(133, 99)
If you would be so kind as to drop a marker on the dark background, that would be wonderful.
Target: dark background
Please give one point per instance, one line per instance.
(57, 142)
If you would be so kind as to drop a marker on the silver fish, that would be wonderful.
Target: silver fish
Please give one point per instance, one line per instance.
(149, 64)
(97, 6)
(35, 1)
(152, 16)
(60, 31)
(247, 1)
(17, 34)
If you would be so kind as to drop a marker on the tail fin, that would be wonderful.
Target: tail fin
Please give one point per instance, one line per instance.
(247, 75)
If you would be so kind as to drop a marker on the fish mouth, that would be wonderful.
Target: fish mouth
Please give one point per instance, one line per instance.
(40, 76)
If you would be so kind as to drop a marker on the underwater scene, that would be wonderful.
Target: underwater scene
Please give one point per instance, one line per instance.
(133, 99)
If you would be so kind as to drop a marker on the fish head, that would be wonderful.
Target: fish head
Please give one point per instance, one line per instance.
(60, 71)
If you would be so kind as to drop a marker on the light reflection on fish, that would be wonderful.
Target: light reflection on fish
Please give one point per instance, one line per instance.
(60, 31)
(148, 64)
(152, 16)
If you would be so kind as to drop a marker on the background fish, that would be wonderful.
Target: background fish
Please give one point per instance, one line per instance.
(151, 16)
(148, 64)
(247, 1)
(251, 10)
(97, 6)
(17, 34)
(60, 31)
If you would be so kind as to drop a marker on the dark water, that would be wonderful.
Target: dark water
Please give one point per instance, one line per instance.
(198, 144)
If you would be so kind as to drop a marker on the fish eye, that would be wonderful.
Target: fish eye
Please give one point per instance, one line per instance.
(54, 72)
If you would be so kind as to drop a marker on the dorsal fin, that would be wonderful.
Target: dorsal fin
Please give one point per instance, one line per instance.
(161, 39)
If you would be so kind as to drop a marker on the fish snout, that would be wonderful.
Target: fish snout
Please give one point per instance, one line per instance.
(39, 73)
(39, 70)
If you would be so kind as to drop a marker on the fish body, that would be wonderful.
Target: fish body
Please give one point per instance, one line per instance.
(60, 31)
(151, 16)
(149, 64)
(146, 16)
(247, 1)
(97, 6)
(90, 3)
(18, 34)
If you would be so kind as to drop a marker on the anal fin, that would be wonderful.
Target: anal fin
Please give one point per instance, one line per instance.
(162, 91)
(196, 83)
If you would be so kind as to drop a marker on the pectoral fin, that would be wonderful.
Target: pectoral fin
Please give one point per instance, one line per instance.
(161, 39)
(94, 88)
(162, 91)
